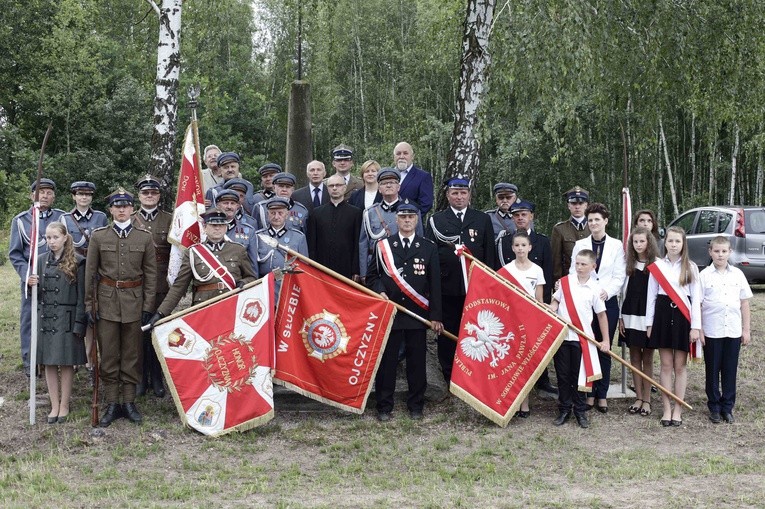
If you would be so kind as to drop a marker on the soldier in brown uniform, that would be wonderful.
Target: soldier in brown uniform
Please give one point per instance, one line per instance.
(157, 222)
(195, 270)
(123, 258)
(566, 233)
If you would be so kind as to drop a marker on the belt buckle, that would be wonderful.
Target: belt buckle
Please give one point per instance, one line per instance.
(673, 305)
(118, 284)
(221, 286)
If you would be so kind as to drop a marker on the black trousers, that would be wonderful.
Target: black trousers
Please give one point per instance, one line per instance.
(451, 306)
(600, 387)
(567, 360)
(385, 380)
(721, 362)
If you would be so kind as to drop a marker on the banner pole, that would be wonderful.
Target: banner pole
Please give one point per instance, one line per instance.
(581, 333)
(273, 243)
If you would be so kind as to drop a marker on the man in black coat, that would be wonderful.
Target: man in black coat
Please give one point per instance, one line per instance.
(333, 232)
(405, 269)
(315, 194)
(457, 224)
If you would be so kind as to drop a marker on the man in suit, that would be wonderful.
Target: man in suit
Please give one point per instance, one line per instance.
(315, 194)
(523, 216)
(333, 232)
(566, 233)
(400, 260)
(18, 254)
(416, 183)
(342, 162)
(157, 222)
(211, 175)
(457, 224)
(123, 258)
(505, 195)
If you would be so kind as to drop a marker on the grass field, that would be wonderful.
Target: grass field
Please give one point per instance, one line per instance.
(326, 458)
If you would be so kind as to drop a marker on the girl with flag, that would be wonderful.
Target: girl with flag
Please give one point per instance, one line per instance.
(673, 317)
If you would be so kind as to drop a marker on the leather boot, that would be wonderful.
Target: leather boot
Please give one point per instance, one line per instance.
(143, 385)
(562, 418)
(113, 412)
(156, 374)
(132, 413)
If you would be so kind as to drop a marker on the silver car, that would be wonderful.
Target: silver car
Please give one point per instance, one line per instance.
(744, 226)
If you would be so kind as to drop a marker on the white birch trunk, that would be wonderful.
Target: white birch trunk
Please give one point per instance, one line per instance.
(463, 159)
(166, 89)
(669, 170)
(712, 171)
(733, 167)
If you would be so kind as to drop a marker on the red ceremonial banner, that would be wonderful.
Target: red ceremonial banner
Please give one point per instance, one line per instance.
(506, 341)
(329, 338)
(218, 361)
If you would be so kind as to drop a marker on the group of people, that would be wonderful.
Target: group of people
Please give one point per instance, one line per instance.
(105, 279)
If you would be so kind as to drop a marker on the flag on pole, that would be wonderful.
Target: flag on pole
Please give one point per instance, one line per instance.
(218, 361)
(186, 228)
(626, 217)
(506, 341)
(34, 239)
(329, 338)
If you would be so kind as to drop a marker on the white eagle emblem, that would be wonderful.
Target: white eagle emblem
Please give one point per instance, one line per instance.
(487, 341)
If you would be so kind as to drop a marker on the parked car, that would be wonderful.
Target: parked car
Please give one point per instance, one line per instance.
(743, 225)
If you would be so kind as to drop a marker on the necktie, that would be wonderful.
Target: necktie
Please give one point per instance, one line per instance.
(459, 216)
(316, 200)
(406, 244)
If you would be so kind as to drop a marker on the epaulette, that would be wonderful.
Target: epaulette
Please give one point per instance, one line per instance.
(488, 211)
(560, 223)
(101, 228)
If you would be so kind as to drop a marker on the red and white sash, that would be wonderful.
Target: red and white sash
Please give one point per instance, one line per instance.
(671, 286)
(386, 258)
(215, 266)
(589, 367)
(464, 263)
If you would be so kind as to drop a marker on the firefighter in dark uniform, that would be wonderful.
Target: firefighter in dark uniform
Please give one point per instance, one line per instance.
(566, 233)
(123, 258)
(505, 195)
(414, 260)
(157, 222)
(457, 224)
(205, 284)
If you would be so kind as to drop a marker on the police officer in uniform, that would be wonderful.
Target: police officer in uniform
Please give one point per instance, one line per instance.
(123, 258)
(457, 224)
(240, 228)
(297, 213)
(566, 233)
(415, 261)
(267, 172)
(205, 284)
(505, 195)
(82, 219)
(342, 162)
(229, 164)
(18, 254)
(157, 222)
(245, 190)
(379, 220)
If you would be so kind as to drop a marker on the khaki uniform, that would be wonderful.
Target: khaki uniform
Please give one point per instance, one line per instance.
(232, 255)
(127, 279)
(564, 236)
(159, 226)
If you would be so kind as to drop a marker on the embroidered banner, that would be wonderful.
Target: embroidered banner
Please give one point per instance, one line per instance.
(329, 338)
(506, 341)
(218, 361)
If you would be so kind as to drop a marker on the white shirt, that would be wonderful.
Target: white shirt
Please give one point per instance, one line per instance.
(721, 301)
(313, 189)
(410, 238)
(463, 211)
(613, 266)
(404, 173)
(529, 278)
(369, 198)
(586, 297)
(692, 290)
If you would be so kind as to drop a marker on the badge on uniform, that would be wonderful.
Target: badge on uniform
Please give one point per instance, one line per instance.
(473, 234)
(395, 243)
(416, 244)
(419, 267)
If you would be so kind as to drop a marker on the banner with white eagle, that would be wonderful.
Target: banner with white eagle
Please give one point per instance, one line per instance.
(218, 359)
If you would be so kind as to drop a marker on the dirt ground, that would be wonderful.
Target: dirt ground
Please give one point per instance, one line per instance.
(314, 456)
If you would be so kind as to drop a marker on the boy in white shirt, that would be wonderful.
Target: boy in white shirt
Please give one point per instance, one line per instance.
(725, 324)
(585, 294)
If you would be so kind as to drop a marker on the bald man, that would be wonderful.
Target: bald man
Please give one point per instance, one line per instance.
(416, 183)
(315, 193)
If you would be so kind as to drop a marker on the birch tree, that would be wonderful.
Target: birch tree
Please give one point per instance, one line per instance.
(464, 153)
(166, 89)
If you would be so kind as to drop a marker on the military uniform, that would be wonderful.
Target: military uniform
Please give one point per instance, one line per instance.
(204, 284)
(477, 234)
(297, 218)
(566, 233)
(270, 258)
(125, 263)
(18, 254)
(501, 222)
(80, 226)
(378, 222)
(418, 266)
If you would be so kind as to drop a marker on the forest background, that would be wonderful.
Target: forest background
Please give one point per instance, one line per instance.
(577, 90)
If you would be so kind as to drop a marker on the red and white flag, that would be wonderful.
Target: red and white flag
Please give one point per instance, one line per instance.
(505, 342)
(329, 338)
(626, 217)
(186, 228)
(218, 361)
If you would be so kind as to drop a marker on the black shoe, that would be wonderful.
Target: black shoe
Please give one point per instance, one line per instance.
(383, 416)
(601, 409)
(675, 423)
(715, 417)
(132, 413)
(416, 415)
(523, 414)
(546, 386)
(158, 387)
(53, 420)
(582, 420)
(562, 418)
(728, 417)
(113, 412)
(666, 423)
